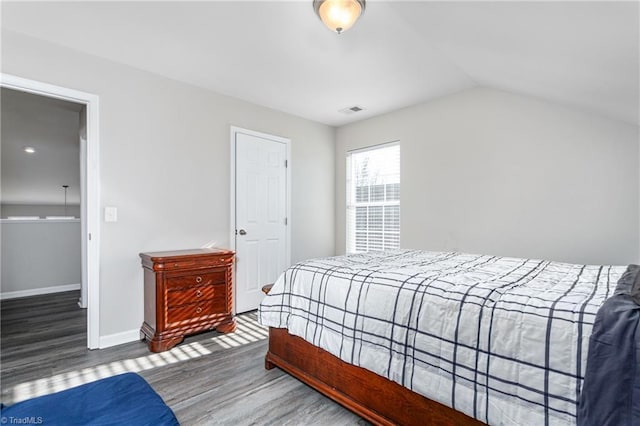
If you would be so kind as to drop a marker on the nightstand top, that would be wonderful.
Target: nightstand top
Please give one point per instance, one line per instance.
(160, 256)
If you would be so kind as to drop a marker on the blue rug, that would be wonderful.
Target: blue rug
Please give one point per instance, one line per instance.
(126, 399)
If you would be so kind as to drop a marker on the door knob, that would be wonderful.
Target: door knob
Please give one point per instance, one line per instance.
(242, 232)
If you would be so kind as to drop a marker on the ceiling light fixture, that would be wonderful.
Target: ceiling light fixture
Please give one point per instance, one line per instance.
(65, 198)
(29, 150)
(339, 15)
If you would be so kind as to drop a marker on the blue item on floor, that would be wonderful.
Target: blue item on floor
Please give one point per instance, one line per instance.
(126, 399)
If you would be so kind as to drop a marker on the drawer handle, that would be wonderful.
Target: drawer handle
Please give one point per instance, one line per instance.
(198, 310)
(198, 279)
(175, 265)
(198, 293)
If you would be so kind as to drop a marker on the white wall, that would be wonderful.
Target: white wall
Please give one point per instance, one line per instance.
(164, 162)
(486, 171)
(39, 255)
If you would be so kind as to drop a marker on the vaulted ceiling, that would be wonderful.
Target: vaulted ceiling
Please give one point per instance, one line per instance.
(278, 54)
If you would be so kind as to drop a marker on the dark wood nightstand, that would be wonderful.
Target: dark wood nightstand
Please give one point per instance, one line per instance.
(186, 292)
(267, 288)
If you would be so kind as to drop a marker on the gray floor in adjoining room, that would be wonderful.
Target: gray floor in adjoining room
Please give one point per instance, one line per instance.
(209, 379)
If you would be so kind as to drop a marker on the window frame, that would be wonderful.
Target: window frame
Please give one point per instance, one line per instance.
(351, 207)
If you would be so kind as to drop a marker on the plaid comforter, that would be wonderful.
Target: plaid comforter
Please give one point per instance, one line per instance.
(501, 339)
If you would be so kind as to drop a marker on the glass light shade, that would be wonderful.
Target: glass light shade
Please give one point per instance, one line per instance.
(339, 15)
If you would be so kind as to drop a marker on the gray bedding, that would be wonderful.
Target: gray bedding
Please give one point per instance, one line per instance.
(611, 390)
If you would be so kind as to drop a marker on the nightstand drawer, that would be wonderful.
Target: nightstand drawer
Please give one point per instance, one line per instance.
(194, 263)
(205, 278)
(183, 296)
(195, 311)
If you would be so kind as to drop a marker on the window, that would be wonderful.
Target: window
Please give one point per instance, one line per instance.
(373, 198)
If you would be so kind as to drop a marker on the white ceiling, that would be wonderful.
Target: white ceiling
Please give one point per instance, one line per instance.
(278, 53)
(51, 126)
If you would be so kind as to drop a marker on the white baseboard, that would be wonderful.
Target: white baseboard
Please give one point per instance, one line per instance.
(119, 338)
(38, 291)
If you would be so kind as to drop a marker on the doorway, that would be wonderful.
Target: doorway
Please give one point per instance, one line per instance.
(89, 198)
(260, 212)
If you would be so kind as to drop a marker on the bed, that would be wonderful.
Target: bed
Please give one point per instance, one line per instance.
(409, 336)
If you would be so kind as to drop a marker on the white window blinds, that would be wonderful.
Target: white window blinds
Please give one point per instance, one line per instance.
(373, 198)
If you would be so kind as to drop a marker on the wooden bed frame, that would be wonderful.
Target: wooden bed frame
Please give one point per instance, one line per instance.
(367, 394)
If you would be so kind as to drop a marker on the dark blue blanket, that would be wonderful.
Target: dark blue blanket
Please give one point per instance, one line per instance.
(611, 390)
(126, 399)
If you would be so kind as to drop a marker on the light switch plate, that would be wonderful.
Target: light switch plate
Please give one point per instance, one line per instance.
(110, 214)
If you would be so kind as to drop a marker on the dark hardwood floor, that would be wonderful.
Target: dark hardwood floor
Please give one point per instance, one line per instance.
(209, 379)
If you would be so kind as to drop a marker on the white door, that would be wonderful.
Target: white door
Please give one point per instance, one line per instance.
(84, 300)
(261, 222)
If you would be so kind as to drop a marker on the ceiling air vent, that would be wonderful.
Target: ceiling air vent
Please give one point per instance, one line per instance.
(351, 110)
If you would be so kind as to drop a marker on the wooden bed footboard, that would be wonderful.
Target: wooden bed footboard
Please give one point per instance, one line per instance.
(373, 397)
